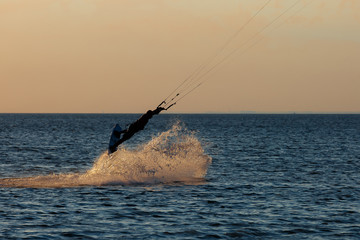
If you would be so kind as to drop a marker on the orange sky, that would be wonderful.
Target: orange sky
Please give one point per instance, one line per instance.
(92, 56)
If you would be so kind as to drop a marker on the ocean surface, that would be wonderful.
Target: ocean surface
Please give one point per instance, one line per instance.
(186, 176)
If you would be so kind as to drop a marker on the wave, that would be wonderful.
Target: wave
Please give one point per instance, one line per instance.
(171, 157)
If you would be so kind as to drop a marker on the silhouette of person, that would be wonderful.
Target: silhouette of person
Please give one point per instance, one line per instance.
(135, 127)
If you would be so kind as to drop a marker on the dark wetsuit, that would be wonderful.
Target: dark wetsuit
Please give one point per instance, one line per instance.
(136, 127)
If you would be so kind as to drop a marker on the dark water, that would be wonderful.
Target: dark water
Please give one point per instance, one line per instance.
(271, 177)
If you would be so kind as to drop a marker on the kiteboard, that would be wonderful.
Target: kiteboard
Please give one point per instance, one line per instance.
(115, 136)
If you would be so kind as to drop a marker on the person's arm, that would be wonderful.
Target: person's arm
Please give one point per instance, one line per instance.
(158, 110)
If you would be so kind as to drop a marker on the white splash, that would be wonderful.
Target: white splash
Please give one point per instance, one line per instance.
(173, 156)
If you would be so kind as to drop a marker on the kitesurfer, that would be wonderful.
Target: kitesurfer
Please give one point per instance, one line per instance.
(116, 140)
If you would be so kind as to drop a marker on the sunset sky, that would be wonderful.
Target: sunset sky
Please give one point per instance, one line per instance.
(126, 56)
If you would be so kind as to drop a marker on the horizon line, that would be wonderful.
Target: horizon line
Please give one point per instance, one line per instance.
(240, 112)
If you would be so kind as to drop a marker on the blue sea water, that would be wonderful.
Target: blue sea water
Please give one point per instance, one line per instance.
(186, 176)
